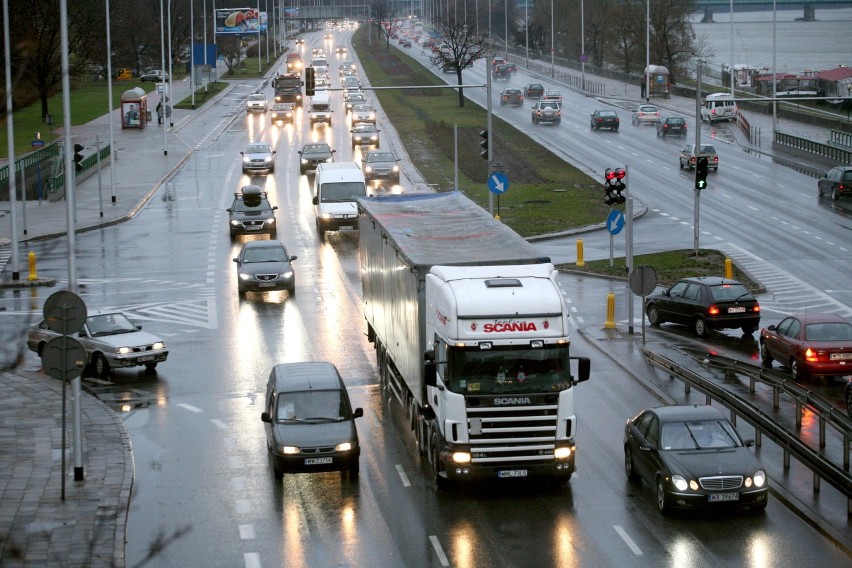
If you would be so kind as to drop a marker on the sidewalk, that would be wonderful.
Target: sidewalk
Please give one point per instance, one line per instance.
(89, 528)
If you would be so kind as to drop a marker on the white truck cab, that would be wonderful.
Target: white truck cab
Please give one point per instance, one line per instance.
(336, 187)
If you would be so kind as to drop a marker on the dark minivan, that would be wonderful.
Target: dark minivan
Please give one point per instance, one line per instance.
(309, 422)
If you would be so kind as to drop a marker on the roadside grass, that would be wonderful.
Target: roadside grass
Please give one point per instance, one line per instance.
(546, 194)
(670, 266)
(202, 95)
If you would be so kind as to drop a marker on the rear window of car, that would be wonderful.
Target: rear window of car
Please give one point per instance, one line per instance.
(847, 175)
(708, 149)
(675, 121)
(729, 293)
(828, 332)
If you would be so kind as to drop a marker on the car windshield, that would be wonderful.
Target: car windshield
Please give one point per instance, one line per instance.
(258, 149)
(535, 86)
(342, 191)
(257, 97)
(380, 157)
(675, 120)
(265, 254)
(698, 435)
(549, 105)
(316, 149)
(829, 331)
(847, 175)
(367, 128)
(729, 292)
(311, 406)
(362, 108)
(109, 324)
(507, 371)
(512, 91)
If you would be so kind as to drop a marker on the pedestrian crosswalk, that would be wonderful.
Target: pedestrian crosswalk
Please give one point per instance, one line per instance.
(5, 255)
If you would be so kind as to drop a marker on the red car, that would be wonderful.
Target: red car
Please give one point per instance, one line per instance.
(809, 344)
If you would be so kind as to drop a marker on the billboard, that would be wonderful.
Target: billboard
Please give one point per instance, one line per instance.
(240, 21)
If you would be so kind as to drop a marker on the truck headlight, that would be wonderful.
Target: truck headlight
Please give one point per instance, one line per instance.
(562, 453)
(461, 457)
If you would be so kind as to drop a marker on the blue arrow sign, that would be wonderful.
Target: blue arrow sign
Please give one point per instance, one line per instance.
(498, 183)
(615, 222)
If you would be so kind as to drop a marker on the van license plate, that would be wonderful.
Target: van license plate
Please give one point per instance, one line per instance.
(512, 473)
(317, 461)
(721, 497)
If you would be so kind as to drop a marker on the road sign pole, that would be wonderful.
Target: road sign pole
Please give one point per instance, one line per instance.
(490, 129)
(628, 245)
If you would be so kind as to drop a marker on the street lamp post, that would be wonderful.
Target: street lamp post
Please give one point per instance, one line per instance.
(552, 43)
(163, 70)
(647, 50)
(109, 97)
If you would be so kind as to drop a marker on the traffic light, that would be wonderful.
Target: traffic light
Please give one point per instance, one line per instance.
(614, 186)
(310, 81)
(78, 157)
(484, 144)
(701, 173)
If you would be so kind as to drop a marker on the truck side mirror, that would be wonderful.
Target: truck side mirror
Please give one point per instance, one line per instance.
(584, 367)
(430, 376)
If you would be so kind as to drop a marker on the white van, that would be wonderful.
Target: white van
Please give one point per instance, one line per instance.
(320, 109)
(719, 106)
(337, 185)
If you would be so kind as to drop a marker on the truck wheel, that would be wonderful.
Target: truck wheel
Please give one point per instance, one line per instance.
(434, 454)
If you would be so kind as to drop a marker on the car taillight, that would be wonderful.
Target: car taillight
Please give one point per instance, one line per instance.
(665, 126)
(811, 355)
(715, 158)
(713, 310)
(756, 309)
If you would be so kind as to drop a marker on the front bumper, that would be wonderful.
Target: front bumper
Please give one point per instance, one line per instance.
(701, 500)
(297, 463)
(136, 358)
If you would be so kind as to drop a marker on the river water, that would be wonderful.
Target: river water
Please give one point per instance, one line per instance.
(819, 45)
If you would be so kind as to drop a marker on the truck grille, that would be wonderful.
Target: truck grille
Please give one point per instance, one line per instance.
(512, 435)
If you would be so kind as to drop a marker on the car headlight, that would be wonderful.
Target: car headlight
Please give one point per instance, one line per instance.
(461, 457)
(123, 350)
(374, 138)
(759, 478)
(396, 169)
(288, 449)
(344, 447)
(235, 223)
(368, 169)
(304, 161)
(326, 216)
(267, 159)
(679, 482)
(158, 345)
(328, 160)
(288, 274)
(244, 276)
(246, 159)
(270, 221)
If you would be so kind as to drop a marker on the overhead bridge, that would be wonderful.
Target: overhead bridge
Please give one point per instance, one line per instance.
(724, 6)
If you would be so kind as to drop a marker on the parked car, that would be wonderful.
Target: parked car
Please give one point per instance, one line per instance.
(309, 421)
(646, 114)
(111, 341)
(534, 91)
(250, 213)
(311, 155)
(363, 113)
(380, 164)
(705, 303)
(512, 97)
(688, 156)
(155, 76)
(365, 134)
(258, 157)
(605, 119)
(836, 183)
(693, 458)
(257, 102)
(809, 344)
(263, 266)
(672, 125)
(282, 112)
(546, 111)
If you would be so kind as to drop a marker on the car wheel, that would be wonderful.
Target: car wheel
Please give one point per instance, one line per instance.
(558, 122)
(699, 326)
(629, 470)
(796, 370)
(680, 164)
(834, 194)
(662, 501)
(659, 133)
(765, 355)
(615, 129)
(150, 367)
(291, 291)
(241, 293)
(100, 366)
(654, 316)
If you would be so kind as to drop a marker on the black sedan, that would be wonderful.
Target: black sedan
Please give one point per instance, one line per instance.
(809, 344)
(672, 125)
(705, 303)
(263, 266)
(534, 91)
(311, 155)
(605, 119)
(836, 183)
(693, 458)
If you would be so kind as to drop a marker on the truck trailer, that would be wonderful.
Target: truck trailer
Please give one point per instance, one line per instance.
(471, 333)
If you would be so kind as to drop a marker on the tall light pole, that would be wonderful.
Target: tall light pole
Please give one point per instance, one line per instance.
(774, 75)
(647, 50)
(163, 70)
(732, 49)
(109, 97)
(168, 98)
(527, 29)
(582, 45)
(552, 43)
(10, 140)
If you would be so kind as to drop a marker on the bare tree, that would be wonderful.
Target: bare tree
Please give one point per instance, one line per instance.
(381, 13)
(460, 46)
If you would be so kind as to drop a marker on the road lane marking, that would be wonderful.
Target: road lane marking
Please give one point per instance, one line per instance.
(442, 558)
(219, 424)
(629, 541)
(402, 475)
(247, 532)
(252, 559)
(189, 407)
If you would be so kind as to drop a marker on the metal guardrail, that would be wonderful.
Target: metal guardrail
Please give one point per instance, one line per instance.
(789, 442)
(813, 147)
(840, 138)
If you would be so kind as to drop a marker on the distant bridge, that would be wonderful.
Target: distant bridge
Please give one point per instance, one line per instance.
(809, 7)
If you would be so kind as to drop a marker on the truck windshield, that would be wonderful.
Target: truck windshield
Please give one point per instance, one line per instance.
(343, 191)
(500, 371)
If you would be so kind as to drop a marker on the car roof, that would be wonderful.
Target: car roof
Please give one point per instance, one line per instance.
(263, 244)
(710, 280)
(319, 375)
(814, 317)
(680, 413)
(316, 146)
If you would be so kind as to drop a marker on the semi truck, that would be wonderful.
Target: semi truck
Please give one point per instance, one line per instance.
(471, 333)
(288, 88)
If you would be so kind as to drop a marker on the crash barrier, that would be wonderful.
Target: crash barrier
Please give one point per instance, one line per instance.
(812, 147)
(840, 138)
(789, 442)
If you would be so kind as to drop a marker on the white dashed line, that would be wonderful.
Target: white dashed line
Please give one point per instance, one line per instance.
(629, 541)
(252, 559)
(189, 407)
(406, 482)
(442, 558)
(247, 532)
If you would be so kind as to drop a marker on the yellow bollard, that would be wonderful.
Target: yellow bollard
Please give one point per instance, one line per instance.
(33, 275)
(580, 253)
(729, 269)
(610, 311)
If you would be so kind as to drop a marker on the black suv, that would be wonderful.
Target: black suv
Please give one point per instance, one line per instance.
(251, 213)
(705, 303)
(836, 183)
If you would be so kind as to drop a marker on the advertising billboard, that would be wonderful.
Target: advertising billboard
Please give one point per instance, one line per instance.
(240, 21)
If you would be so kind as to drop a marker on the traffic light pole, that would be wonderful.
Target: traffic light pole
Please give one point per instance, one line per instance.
(490, 130)
(696, 208)
(628, 248)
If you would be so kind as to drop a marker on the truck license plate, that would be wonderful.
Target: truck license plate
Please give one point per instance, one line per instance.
(512, 473)
(720, 497)
(317, 461)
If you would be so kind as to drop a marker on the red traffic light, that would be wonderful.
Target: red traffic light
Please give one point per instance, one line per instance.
(609, 175)
(620, 173)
